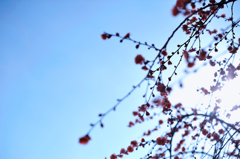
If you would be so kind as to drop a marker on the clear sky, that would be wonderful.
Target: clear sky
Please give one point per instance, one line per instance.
(57, 74)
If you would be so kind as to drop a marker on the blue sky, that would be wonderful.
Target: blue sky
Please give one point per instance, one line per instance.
(57, 74)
